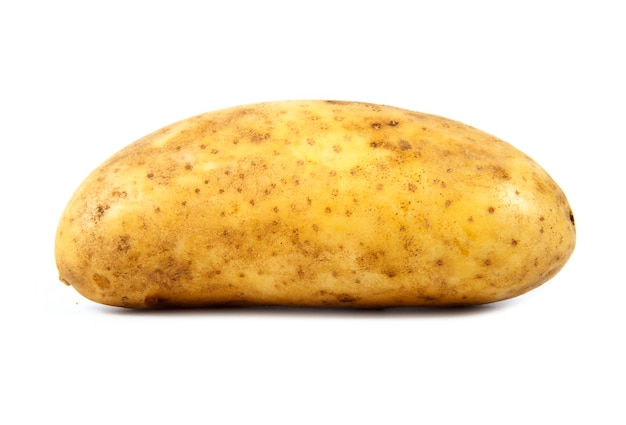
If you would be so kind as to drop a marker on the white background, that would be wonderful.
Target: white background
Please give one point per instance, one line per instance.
(80, 80)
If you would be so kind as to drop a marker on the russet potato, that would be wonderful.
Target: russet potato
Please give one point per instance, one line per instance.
(314, 203)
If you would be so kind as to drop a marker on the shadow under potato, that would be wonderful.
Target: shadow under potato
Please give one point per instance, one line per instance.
(321, 312)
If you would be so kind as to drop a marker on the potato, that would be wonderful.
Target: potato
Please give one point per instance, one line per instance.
(314, 203)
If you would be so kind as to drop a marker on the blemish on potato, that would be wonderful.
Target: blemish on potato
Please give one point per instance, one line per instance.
(500, 173)
(404, 145)
(491, 210)
(123, 244)
(346, 298)
(99, 212)
(153, 301)
(101, 281)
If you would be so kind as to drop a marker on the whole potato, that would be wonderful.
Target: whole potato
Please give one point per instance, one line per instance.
(314, 203)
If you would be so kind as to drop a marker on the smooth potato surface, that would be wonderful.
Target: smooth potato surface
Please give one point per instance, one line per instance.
(314, 203)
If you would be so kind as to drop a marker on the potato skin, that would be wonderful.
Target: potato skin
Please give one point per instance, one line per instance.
(314, 203)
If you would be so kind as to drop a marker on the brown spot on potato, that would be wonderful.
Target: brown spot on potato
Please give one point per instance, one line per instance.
(404, 145)
(393, 123)
(101, 281)
(154, 301)
(491, 210)
(346, 298)
(123, 244)
(376, 125)
(99, 212)
(500, 173)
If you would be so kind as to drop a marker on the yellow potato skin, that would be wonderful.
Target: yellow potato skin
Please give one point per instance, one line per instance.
(314, 203)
